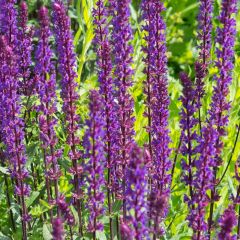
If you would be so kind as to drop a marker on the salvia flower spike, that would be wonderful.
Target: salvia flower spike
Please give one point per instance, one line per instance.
(69, 93)
(149, 29)
(104, 64)
(12, 128)
(8, 21)
(24, 50)
(137, 192)
(204, 48)
(227, 222)
(94, 147)
(188, 135)
(122, 50)
(220, 106)
(58, 230)
(159, 112)
(202, 183)
(46, 89)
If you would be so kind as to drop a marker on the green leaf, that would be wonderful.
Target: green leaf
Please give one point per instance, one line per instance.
(117, 206)
(4, 170)
(101, 235)
(46, 232)
(3, 237)
(32, 198)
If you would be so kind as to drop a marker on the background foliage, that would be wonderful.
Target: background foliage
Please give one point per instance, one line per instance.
(181, 41)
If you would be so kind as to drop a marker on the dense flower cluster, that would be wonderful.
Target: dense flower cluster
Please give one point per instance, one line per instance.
(137, 192)
(12, 126)
(94, 147)
(109, 170)
(204, 46)
(202, 183)
(122, 50)
(24, 50)
(46, 89)
(149, 28)
(159, 110)
(104, 64)
(220, 106)
(58, 232)
(188, 135)
(8, 21)
(69, 93)
(227, 222)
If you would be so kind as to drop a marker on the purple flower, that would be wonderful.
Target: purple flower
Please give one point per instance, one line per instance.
(69, 93)
(202, 183)
(105, 80)
(157, 103)
(149, 27)
(188, 135)
(204, 46)
(94, 146)
(104, 64)
(225, 54)
(125, 230)
(46, 89)
(58, 229)
(8, 21)
(220, 106)
(65, 210)
(227, 222)
(137, 191)
(12, 126)
(122, 50)
(24, 50)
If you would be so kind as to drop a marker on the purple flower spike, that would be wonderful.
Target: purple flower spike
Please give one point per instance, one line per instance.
(24, 49)
(219, 111)
(46, 89)
(188, 135)
(94, 145)
(149, 27)
(65, 210)
(204, 46)
(137, 191)
(69, 93)
(122, 50)
(227, 222)
(104, 64)
(12, 126)
(58, 230)
(158, 103)
(202, 183)
(8, 21)
(225, 54)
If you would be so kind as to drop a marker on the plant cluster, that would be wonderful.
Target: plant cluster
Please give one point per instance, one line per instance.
(96, 181)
